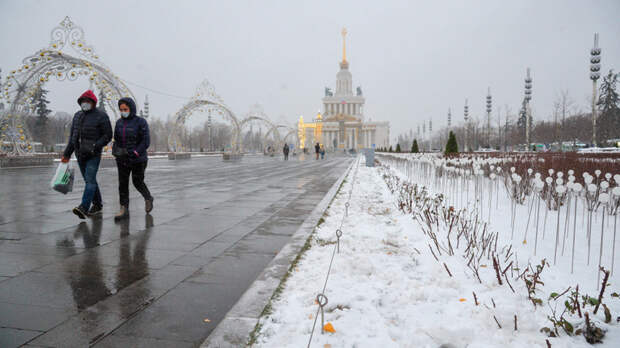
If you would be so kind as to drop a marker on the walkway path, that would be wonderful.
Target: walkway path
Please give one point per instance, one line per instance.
(164, 279)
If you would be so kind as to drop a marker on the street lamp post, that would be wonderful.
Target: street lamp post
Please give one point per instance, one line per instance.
(527, 110)
(209, 131)
(595, 67)
(430, 134)
(489, 109)
(424, 135)
(466, 116)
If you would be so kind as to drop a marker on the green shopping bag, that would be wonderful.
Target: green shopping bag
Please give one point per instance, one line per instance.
(63, 179)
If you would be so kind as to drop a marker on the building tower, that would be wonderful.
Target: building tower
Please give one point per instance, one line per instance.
(344, 80)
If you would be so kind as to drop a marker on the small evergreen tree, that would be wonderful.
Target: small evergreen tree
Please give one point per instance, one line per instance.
(414, 146)
(398, 147)
(451, 146)
(102, 100)
(390, 149)
(39, 101)
(609, 108)
(1, 104)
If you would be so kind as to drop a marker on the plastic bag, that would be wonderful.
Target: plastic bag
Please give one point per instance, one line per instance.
(63, 179)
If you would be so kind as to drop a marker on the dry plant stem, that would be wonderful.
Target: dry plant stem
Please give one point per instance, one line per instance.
(548, 344)
(447, 270)
(600, 295)
(506, 269)
(577, 301)
(563, 293)
(475, 298)
(515, 322)
(498, 324)
(497, 271)
(429, 246)
(507, 282)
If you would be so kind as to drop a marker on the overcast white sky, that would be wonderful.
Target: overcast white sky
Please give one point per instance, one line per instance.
(413, 59)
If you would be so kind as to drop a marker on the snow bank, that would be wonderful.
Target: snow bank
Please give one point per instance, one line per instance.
(386, 288)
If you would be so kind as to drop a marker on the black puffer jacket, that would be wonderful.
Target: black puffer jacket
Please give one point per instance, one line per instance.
(92, 126)
(132, 133)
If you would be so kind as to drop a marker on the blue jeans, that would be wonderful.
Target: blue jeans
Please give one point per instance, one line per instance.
(89, 168)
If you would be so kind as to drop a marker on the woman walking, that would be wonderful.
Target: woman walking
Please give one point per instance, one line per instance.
(131, 139)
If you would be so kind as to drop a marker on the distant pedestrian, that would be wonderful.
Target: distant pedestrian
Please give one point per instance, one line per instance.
(322, 152)
(131, 139)
(90, 132)
(285, 150)
(317, 150)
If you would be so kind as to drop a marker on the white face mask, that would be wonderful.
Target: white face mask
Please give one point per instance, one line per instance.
(86, 106)
(124, 114)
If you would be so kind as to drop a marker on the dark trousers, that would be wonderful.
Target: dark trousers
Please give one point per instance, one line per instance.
(137, 176)
(286, 156)
(89, 168)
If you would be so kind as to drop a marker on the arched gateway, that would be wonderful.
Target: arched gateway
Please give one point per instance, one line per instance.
(67, 57)
(204, 99)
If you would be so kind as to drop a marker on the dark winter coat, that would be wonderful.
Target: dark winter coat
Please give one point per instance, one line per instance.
(132, 133)
(317, 148)
(285, 149)
(90, 130)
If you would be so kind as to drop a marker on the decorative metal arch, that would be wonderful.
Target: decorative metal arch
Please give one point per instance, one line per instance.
(291, 132)
(256, 113)
(260, 118)
(276, 133)
(53, 62)
(205, 98)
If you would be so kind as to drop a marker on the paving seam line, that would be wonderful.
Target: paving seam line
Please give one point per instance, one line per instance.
(235, 328)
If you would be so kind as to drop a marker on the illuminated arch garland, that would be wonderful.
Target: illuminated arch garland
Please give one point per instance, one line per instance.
(205, 98)
(276, 133)
(291, 132)
(67, 57)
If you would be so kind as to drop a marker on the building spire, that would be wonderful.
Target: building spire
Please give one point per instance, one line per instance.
(344, 45)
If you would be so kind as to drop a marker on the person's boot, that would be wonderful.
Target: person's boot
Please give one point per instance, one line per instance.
(148, 205)
(80, 212)
(122, 214)
(95, 211)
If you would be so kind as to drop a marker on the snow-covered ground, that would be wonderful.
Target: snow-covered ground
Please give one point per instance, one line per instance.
(386, 288)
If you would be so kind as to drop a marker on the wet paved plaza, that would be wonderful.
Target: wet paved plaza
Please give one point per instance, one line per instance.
(159, 280)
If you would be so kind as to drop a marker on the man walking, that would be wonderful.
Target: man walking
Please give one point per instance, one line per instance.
(90, 132)
(317, 149)
(285, 150)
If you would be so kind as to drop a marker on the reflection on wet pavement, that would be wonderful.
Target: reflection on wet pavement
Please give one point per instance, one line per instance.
(150, 280)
